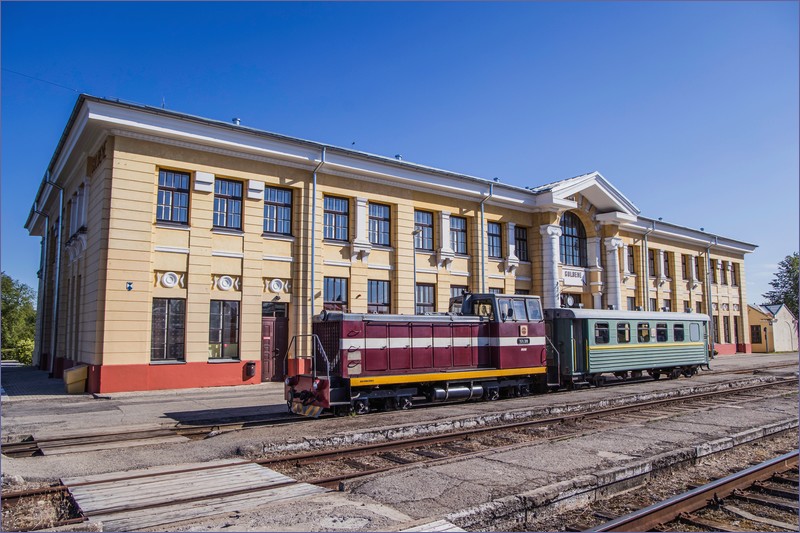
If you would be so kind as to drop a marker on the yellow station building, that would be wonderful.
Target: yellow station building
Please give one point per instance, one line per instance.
(179, 251)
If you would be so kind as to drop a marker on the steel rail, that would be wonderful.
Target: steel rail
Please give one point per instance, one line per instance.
(316, 456)
(666, 511)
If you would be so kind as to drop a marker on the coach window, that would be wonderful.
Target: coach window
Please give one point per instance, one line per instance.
(483, 308)
(677, 332)
(572, 241)
(519, 310)
(534, 308)
(694, 332)
(623, 332)
(661, 332)
(601, 333)
(643, 331)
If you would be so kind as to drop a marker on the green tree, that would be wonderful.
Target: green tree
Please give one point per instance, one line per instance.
(18, 319)
(785, 284)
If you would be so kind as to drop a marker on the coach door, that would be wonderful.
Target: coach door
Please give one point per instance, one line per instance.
(579, 345)
(274, 341)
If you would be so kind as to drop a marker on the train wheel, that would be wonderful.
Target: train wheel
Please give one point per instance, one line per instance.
(621, 375)
(361, 407)
(289, 406)
(675, 373)
(404, 402)
(655, 374)
(524, 390)
(342, 410)
(598, 381)
(636, 374)
(492, 394)
(689, 371)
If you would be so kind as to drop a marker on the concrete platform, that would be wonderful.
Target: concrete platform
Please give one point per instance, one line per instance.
(463, 492)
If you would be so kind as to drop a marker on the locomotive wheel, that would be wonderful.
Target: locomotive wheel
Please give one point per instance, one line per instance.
(361, 407)
(492, 394)
(404, 402)
(289, 407)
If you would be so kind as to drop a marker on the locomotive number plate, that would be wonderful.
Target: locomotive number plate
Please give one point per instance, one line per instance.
(524, 340)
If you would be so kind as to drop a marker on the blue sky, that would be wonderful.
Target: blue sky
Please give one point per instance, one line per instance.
(690, 109)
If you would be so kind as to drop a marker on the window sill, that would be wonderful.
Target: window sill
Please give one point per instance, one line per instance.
(332, 242)
(278, 237)
(463, 256)
(173, 225)
(382, 247)
(223, 361)
(224, 231)
(169, 362)
(496, 259)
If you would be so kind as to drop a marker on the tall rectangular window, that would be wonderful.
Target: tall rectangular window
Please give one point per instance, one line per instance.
(334, 294)
(227, 204)
(631, 260)
(687, 306)
(379, 224)
(734, 274)
(336, 218)
(169, 329)
(631, 303)
(651, 263)
(426, 298)
(697, 268)
(423, 222)
(522, 292)
(458, 234)
(755, 334)
(667, 305)
(685, 266)
(666, 272)
(653, 304)
(521, 243)
(724, 271)
(223, 330)
(173, 197)
(726, 325)
(713, 268)
(494, 240)
(277, 211)
(698, 307)
(379, 296)
(457, 290)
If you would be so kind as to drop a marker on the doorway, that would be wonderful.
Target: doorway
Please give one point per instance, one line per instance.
(274, 340)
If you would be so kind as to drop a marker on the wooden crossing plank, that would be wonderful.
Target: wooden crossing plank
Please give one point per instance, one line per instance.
(437, 526)
(136, 520)
(153, 470)
(92, 432)
(142, 492)
(61, 450)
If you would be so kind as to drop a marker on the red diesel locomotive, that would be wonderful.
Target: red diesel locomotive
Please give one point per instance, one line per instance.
(488, 345)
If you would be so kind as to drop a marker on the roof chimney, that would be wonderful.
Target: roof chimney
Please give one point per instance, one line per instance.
(236, 121)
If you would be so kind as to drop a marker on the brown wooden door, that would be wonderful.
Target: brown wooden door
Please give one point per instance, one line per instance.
(274, 341)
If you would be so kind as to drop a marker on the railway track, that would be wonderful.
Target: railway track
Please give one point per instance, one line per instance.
(768, 490)
(359, 461)
(31, 447)
(332, 468)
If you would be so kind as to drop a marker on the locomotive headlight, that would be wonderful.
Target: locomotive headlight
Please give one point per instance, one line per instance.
(315, 384)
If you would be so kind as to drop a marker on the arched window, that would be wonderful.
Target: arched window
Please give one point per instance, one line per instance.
(572, 241)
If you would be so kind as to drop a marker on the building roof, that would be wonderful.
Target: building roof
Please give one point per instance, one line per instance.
(94, 116)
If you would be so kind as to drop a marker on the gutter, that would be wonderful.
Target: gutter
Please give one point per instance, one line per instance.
(314, 229)
(44, 263)
(646, 269)
(57, 281)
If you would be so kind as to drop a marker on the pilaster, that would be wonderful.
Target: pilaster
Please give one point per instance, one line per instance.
(550, 259)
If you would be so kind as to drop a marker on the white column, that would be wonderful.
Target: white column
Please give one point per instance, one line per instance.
(593, 252)
(613, 292)
(625, 263)
(361, 244)
(550, 256)
(512, 261)
(661, 274)
(446, 253)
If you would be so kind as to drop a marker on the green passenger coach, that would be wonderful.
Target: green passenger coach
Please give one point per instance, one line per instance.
(591, 343)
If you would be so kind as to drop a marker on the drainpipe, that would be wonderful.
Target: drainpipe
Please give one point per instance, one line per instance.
(57, 282)
(708, 294)
(314, 228)
(483, 231)
(43, 273)
(646, 269)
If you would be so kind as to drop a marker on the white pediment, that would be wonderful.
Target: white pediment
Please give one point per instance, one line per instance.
(609, 202)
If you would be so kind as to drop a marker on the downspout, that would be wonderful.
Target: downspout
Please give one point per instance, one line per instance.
(708, 294)
(57, 282)
(483, 231)
(646, 269)
(314, 229)
(44, 275)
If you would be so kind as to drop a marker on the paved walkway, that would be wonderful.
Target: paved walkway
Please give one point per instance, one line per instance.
(21, 382)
